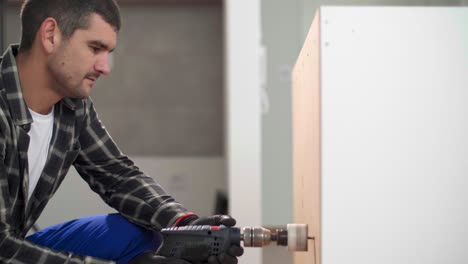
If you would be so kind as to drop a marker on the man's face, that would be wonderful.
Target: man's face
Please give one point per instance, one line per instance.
(80, 60)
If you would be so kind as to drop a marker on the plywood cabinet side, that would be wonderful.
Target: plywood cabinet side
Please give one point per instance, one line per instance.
(306, 142)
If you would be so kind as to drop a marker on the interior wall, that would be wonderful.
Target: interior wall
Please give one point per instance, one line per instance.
(166, 89)
(281, 38)
(243, 120)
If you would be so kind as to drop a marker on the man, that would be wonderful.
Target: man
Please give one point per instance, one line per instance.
(48, 123)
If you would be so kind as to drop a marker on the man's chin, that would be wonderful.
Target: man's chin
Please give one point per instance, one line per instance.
(81, 93)
(78, 97)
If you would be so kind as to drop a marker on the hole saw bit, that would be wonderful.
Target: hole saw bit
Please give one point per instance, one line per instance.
(197, 243)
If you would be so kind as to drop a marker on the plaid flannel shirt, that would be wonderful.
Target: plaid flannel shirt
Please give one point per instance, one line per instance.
(78, 139)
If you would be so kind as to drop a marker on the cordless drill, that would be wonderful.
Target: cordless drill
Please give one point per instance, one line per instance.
(197, 243)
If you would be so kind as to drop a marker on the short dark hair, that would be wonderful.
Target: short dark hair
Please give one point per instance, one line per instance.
(69, 14)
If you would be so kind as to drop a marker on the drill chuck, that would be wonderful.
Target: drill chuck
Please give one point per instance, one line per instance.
(255, 236)
(295, 237)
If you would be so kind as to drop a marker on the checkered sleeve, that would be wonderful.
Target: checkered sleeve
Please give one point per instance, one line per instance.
(118, 181)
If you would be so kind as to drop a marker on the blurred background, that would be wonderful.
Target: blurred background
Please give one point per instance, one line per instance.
(199, 96)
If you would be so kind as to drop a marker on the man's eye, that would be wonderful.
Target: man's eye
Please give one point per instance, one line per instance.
(94, 49)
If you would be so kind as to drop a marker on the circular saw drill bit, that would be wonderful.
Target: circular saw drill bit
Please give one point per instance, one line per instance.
(297, 237)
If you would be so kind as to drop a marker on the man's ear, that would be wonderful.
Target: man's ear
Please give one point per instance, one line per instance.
(49, 35)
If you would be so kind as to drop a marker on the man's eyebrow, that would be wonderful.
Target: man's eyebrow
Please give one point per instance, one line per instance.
(100, 44)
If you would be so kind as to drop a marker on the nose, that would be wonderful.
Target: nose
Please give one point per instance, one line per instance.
(102, 64)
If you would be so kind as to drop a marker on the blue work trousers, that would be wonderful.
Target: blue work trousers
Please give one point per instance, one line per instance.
(109, 237)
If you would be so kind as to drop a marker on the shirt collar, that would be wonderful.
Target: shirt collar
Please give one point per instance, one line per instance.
(11, 83)
(71, 103)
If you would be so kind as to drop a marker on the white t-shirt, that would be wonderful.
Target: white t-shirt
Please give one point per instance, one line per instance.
(40, 136)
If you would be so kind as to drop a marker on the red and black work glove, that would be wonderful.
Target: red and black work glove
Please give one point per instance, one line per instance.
(234, 251)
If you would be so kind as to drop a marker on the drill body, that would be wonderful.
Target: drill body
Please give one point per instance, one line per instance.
(197, 243)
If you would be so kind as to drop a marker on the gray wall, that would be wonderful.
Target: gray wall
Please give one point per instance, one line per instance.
(281, 36)
(165, 96)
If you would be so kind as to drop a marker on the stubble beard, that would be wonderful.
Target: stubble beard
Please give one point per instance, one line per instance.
(63, 81)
